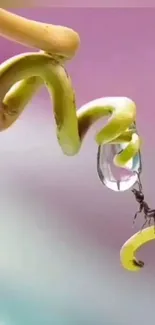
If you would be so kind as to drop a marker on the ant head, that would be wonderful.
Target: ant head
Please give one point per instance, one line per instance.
(139, 195)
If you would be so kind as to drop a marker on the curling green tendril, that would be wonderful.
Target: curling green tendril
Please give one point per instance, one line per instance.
(22, 75)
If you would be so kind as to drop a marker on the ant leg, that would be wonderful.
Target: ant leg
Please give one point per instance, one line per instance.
(135, 216)
(144, 225)
(154, 223)
(146, 220)
(149, 223)
(152, 212)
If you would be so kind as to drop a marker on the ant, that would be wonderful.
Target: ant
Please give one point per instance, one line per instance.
(143, 206)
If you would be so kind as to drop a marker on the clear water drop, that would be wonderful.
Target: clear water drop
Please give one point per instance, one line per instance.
(116, 178)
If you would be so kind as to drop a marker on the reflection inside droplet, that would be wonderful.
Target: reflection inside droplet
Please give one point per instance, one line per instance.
(117, 178)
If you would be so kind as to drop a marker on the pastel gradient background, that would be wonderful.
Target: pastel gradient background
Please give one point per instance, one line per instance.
(78, 3)
(60, 229)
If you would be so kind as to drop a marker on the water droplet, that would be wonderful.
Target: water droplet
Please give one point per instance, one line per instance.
(117, 178)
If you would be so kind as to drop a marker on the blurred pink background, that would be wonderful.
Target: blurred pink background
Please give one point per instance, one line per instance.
(61, 230)
(78, 4)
